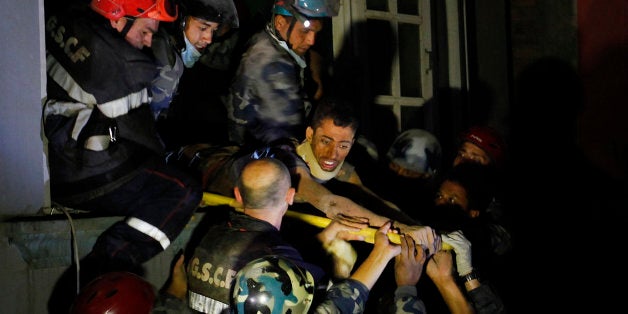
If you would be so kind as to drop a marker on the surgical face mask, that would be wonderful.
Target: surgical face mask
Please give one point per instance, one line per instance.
(190, 55)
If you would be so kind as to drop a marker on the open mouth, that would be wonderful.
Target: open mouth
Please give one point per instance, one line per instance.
(328, 165)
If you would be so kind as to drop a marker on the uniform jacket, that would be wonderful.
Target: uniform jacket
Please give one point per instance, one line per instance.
(266, 101)
(99, 128)
(228, 247)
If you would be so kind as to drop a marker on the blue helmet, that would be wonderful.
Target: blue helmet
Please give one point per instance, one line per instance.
(308, 8)
(272, 284)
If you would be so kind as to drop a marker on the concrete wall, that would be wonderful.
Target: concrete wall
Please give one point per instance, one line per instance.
(35, 252)
(23, 171)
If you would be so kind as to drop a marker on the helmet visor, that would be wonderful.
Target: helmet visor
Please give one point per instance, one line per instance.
(317, 8)
(162, 10)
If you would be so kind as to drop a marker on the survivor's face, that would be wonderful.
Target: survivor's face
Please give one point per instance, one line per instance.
(302, 37)
(200, 32)
(141, 33)
(330, 143)
(451, 193)
(470, 152)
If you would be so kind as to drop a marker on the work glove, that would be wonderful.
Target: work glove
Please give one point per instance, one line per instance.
(462, 248)
(343, 256)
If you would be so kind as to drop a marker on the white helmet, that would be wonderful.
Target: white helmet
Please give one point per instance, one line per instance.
(417, 150)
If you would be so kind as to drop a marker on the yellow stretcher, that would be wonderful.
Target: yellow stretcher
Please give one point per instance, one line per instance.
(212, 199)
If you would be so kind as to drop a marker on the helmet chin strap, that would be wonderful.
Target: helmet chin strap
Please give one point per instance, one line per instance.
(127, 26)
(292, 22)
(272, 31)
(278, 35)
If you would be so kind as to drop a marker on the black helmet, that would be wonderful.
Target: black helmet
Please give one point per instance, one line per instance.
(220, 11)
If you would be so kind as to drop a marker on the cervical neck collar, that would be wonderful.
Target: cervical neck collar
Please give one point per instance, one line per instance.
(305, 152)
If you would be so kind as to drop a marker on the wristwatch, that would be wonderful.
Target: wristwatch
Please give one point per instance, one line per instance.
(471, 276)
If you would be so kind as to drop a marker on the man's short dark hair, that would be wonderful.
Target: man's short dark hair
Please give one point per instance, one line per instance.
(340, 111)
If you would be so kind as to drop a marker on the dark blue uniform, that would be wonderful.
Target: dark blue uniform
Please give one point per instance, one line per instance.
(104, 154)
(224, 250)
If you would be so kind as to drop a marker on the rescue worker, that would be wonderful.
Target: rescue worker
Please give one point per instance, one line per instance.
(264, 190)
(104, 154)
(180, 44)
(267, 100)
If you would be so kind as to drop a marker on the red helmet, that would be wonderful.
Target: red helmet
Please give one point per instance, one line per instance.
(488, 139)
(115, 293)
(160, 10)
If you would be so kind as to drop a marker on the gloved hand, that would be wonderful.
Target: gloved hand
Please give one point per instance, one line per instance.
(343, 256)
(335, 239)
(462, 248)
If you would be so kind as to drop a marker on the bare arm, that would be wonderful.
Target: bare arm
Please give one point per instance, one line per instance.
(316, 67)
(375, 263)
(179, 285)
(314, 193)
(440, 270)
